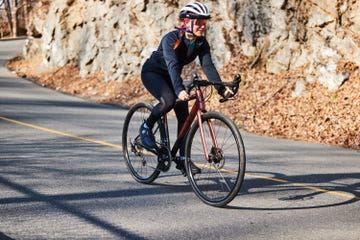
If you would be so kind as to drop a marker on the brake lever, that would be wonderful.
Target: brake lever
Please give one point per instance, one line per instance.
(222, 100)
(236, 82)
(233, 97)
(188, 85)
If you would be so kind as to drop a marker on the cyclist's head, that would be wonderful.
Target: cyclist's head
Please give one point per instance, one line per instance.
(194, 17)
(195, 10)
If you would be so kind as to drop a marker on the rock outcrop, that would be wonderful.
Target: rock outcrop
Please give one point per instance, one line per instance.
(115, 36)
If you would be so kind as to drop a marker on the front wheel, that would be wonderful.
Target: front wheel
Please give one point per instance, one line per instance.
(223, 172)
(142, 164)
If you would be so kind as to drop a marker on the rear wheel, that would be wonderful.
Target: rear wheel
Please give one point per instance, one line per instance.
(223, 173)
(142, 164)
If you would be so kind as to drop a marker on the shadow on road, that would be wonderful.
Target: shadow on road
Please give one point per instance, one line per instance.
(317, 183)
(59, 202)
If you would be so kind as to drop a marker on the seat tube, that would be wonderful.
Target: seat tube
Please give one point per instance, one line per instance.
(164, 131)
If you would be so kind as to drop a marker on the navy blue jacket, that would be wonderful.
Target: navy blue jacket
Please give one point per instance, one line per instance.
(169, 62)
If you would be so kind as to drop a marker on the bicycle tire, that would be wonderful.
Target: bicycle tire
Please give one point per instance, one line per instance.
(142, 164)
(221, 178)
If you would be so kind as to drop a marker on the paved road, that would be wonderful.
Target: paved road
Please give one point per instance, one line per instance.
(62, 177)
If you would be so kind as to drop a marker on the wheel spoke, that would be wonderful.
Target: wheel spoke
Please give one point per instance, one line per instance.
(222, 177)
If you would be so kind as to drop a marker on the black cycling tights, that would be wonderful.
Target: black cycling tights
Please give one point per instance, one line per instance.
(161, 88)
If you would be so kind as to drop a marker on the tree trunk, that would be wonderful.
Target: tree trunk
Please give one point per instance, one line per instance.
(14, 19)
(8, 14)
(26, 13)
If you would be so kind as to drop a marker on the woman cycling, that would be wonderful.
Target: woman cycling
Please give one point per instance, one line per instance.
(161, 73)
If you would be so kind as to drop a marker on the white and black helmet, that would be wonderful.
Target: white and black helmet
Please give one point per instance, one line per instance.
(195, 10)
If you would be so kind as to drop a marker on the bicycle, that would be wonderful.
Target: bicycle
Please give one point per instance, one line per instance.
(213, 144)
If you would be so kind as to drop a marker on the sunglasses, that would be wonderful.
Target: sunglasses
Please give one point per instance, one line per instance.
(201, 22)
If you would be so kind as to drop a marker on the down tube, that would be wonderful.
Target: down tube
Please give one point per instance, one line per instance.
(185, 129)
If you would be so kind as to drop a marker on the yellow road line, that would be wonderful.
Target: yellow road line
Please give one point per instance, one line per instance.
(61, 133)
(316, 189)
(268, 178)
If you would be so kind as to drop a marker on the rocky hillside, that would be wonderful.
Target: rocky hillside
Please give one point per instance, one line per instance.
(116, 36)
(299, 59)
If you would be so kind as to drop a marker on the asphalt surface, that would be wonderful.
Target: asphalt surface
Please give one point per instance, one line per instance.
(62, 176)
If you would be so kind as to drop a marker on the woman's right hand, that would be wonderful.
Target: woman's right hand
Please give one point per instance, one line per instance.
(228, 92)
(183, 96)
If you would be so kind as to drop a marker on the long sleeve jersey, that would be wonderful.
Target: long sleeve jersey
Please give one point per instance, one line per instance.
(169, 61)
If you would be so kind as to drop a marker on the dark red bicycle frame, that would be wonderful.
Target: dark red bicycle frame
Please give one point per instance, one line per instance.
(196, 110)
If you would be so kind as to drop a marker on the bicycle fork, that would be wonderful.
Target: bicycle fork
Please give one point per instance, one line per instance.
(202, 135)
